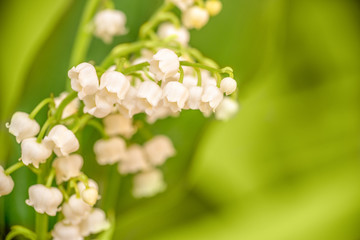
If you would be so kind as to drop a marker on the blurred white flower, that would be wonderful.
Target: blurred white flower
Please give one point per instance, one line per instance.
(159, 149)
(109, 151)
(175, 95)
(165, 63)
(227, 109)
(210, 99)
(21, 126)
(228, 85)
(190, 81)
(148, 183)
(44, 199)
(149, 95)
(90, 195)
(183, 4)
(62, 140)
(33, 152)
(6, 183)
(71, 108)
(133, 161)
(213, 7)
(160, 112)
(195, 17)
(109, 23)
(67, 167)
(117, 124)
(94, 223)
(84, 79)
(75, 210)
(64, 231)
(114, 85)
(181, 34)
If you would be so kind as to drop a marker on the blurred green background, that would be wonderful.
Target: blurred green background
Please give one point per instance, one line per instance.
(286, 168)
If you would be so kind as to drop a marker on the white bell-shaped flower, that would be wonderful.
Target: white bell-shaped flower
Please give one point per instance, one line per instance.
(64, 231)
(109, 151)
(6, 183)
(89, 194)
(195, 17)
(148, 183)
(228, 85)
(44, 199)
(117, 124)
(194, 99)
(71, 108)
(33, 152)
(183, 4)
(109, 23)
(213, 7)
(207, 79)
(181, 34)
(160, 112)
(84, 79)
(22, 127)
(133, 161)
(149, 95)
(175, 95)
(62, 140)
(130, 105)
(159, 149)
(227, 109)
(94, 223)
(115, 85)
(98, 105)
(210, 99)
(75, 210)
(67, 167)
(190, 81)
(165, 63)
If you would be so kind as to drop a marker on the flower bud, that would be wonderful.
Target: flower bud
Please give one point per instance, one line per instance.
(91, 183)
(195, 17)
(148, 184)
(64, 231)
(33, 152)
(227, 109)
(84, 79)
(67, 167)
(159, 149)
(109, 151)
(96, 222)
(44, 199)
(213, 7)
(228, 85)
(62, 140)
(175, 95)
(22, 127)
(109, 23)
(165, 63)
(6, 183)
(75, 210)
(117, 124)
(181, 34)
(134, 160)
(90, 196)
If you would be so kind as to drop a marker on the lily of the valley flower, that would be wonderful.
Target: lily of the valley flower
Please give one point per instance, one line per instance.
(6, 183)
(33, 152)
(165, 63)
(84, 79)
(194, 99)
(195, 17)
(181, 34)
(133, 161)
(90, 195)
(148, 183)
(130, 106)
(94, 223)
(64, 231)
(183, 4)
(227, 109)
(213, 7)
(22, 127)
(44, 199)
(210, 99)
(117, 124)
(109, 23)
(62, 140)
(149, 95)
(109, 151)
(67, 167)
(115, 86)
(71, 108)
(98, 105)
(75, 210)
(159, 149)
(228, 85)
(175, 95)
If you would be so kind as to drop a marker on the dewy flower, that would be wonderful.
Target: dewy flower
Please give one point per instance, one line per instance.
(228, 85)
(6, 183)
(44, 199)
(62, 141)
(213, 7)
(84, 79)
(21, 126)
(175, 95)
(64, 231)
(96, 222)
(98, 105)
(183, 4)
(33, 152)
(67, 167)
(75, 210)
(117, 124)
(159, 149)
(109, 23)
(165, 63)
(181, 34)
(133, 161)
(109, 151)
(149, 95)
(71, 108)
(210, 99)
(227, 109)
(195, 17)
(148, 184)
(194, 99)
(114, 85)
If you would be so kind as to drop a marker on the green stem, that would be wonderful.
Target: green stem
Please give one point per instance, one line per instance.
(46, 125)
(81, 123)
(64, 193)
(13, 168)
(41, 220)
(50, 178)
(181, 74)
(39, 107)
(198, 73)
(112, 189)
(58, 113)
(84, 34)
(135, 68)
(225, 70)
